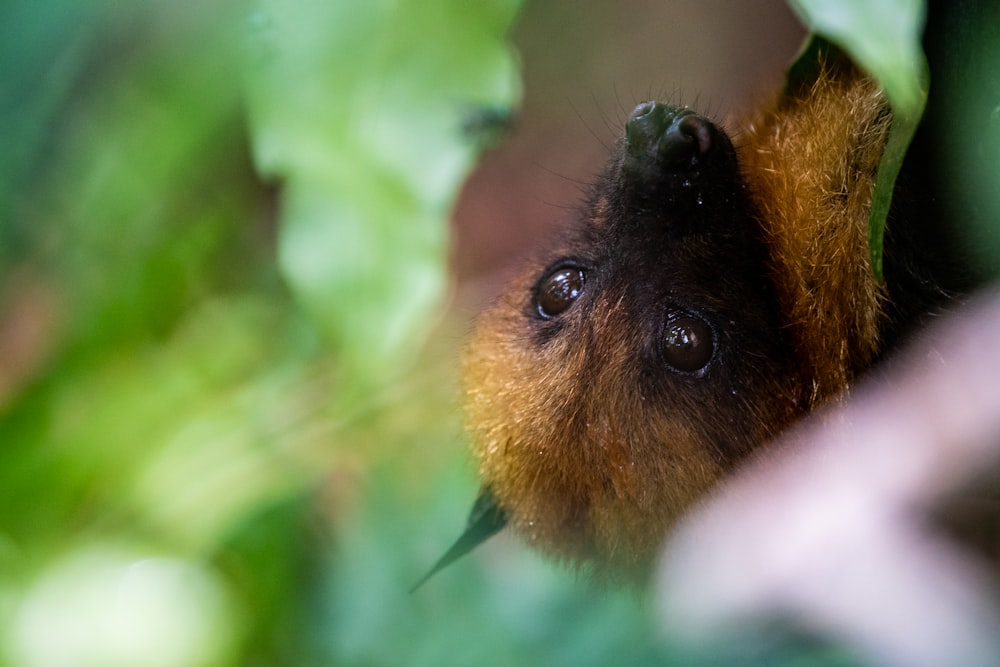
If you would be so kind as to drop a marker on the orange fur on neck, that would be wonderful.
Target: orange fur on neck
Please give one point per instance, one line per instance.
(810, 167)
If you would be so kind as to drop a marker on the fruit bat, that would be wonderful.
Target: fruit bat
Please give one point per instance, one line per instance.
(714, 287)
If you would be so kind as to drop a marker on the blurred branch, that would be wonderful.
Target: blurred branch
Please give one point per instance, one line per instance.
(833, 526)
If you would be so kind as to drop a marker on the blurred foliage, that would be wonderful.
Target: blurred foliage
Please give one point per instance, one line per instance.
(226, 435)
(222, 249)
(965, 114)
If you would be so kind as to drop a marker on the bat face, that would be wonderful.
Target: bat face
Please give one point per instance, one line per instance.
(638, 358)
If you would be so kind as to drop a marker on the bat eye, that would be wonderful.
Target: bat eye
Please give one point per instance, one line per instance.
(688, 344)
(558, 290)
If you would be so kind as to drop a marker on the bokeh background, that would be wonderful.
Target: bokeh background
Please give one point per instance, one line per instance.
(238, 258)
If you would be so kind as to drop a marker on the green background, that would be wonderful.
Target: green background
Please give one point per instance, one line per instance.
(229, 423)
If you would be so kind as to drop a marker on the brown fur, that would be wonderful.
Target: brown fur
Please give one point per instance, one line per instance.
(562, 450)
(816, 222)
(591, 446)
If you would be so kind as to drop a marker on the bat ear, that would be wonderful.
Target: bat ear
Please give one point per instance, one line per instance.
(485, 520)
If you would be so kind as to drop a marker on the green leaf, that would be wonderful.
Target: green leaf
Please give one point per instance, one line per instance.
(357, 108)
(181, 405)
(485, 520)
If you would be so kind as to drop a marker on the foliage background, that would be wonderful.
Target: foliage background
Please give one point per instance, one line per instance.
(229, 430)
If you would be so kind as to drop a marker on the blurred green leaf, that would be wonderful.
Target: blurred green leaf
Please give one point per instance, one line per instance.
(357, 109)
(178, 401)
(110, 606)
(965, 117)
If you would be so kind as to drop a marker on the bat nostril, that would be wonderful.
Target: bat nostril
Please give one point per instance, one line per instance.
(660, 135)
(699, 129)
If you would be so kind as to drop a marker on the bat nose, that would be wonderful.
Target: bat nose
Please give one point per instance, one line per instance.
(667, 135)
